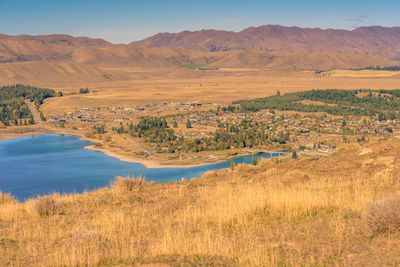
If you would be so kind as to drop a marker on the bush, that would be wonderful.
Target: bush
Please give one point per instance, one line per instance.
(127, 184)
(47, 206)
(90, 135)
(384, 216)
(232, 152)
(6, 198)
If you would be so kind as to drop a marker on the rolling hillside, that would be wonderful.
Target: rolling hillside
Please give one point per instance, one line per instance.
(55, 47)
(61, 72)
(298, 60)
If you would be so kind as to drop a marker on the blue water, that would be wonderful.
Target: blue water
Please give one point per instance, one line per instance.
(42, 164)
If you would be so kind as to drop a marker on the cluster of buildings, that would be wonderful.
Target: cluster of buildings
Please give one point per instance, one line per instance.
(205, 118)
(303, 128)
(119, 114)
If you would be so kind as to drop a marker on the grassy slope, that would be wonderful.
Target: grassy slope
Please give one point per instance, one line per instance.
(298, 212)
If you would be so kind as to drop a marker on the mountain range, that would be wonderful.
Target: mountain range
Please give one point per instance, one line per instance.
(269, 47)
(374, 40)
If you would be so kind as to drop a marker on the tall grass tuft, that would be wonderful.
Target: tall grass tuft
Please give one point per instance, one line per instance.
(48, 205)
(6, 198)
(384, 216)
(128, 184)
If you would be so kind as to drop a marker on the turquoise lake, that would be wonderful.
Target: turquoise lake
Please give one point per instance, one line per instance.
(42, 164)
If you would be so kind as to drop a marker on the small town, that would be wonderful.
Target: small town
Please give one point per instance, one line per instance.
(302, 130)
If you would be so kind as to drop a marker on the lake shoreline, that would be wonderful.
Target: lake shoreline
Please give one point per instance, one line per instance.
(41, 164)
(154, 164)
(148, 163)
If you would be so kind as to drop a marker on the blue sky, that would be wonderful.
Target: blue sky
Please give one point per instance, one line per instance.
(122, 21)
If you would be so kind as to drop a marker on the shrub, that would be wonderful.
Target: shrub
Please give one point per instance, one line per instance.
(47, 206)
(384, 216)
(232, 152)
(6, 198)
(127, 184)
(90, 135)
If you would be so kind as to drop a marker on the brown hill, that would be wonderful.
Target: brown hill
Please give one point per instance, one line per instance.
(298, 60)
(374, 40)
(54, 72)
(56, 47)
(84, 52)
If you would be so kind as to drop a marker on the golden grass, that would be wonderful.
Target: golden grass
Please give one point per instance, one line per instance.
(176, 85)
(363, 73)
(6, 198)
(299, 212)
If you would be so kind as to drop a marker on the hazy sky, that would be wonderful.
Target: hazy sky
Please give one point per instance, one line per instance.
(122, 21)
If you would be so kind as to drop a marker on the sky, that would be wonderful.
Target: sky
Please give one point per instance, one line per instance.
(123, 21)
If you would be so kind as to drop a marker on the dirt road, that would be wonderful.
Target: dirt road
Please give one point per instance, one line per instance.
(35, 113)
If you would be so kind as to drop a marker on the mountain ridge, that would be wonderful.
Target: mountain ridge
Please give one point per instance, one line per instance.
(98, 52)
(370, 40)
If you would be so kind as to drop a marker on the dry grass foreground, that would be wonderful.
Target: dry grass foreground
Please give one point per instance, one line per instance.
(339, 210)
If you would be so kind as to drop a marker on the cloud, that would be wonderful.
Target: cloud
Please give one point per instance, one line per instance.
(355, 21)
(359, 19)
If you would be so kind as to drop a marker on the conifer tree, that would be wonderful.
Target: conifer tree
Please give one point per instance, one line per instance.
(188, 124)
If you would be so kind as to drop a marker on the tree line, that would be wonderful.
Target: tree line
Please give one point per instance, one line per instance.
(391, 68)
(246, 134)
(13, 109)
(341, 102)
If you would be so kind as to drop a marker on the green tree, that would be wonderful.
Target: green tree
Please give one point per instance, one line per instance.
(294, 154)
(188, 124)
(175, 125)
(84, 90)
(101, 129)
(232, 165)
(42, 117)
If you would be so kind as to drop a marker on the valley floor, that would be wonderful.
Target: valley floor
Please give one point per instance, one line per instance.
(310, 211)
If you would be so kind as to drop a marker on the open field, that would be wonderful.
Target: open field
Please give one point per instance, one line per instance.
(145, 85)
(363, 73)
(311, 211)
(126, 86)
